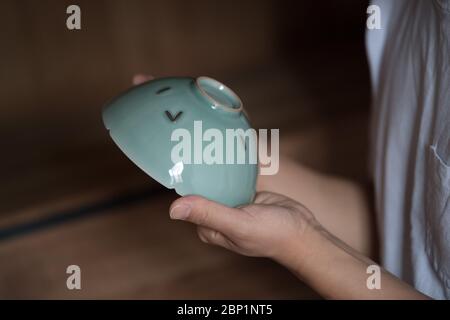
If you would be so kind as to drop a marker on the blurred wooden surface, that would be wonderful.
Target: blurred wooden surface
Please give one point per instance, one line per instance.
(63, 178)
(36, 172)
(136, 252)
(54, 82)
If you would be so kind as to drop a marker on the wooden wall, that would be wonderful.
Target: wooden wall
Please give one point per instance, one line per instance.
(297, 65)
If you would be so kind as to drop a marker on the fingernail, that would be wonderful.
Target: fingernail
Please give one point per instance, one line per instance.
(180, 212)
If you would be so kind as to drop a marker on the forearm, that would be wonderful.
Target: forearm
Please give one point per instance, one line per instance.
(351, 219)
(336, 271)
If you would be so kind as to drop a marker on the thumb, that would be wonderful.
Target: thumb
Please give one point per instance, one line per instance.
(209, 214)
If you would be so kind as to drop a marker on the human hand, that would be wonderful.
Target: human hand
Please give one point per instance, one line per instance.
(274, 226)
(271, 227)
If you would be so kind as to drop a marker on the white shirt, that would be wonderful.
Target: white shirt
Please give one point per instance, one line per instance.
(409, 59)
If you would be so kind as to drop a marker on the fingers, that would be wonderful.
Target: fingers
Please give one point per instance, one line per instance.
(214, 237)
(141, 78)
(266, 197)
(209, 214)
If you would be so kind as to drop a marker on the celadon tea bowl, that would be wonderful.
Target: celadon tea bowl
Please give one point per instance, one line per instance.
(171, 127)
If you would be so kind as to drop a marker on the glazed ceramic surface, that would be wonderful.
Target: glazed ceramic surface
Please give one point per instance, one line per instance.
(142, 120)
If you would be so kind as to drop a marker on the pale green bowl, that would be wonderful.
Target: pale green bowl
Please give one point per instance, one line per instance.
(141, 122)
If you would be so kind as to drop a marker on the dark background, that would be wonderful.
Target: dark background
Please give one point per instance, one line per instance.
(298, 65)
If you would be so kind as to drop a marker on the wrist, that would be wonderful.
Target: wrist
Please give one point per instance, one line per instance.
(327, 264)
(306, 250)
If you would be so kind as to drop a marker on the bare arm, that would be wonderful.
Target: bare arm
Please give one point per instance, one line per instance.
(287, 232)
(337, 271)
(342, 207)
